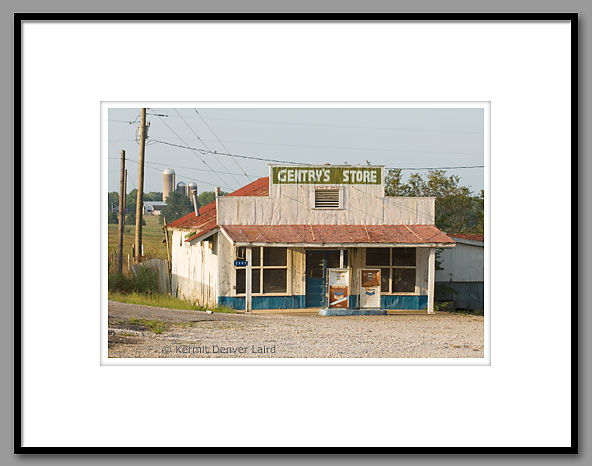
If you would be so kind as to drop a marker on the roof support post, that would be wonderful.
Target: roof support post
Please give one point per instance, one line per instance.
(431, 275)
(341, 258)
(249, 280)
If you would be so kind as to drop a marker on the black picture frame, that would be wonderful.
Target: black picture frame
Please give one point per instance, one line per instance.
(19, 18)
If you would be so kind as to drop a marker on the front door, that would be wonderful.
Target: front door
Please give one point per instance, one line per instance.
(317, 262)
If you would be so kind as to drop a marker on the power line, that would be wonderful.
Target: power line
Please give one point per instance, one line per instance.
(202, 151)
(434, 168)
(194, 150)
(358, 149)
(182, 175)
(206, 146)
(179, 166)
(328, 125)
(299, 163)
(221, 143)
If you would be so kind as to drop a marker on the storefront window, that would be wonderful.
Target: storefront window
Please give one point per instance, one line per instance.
(269, 278)
(399, 274)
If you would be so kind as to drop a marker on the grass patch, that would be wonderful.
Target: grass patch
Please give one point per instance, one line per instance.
(152, 237)
(160, 300)
(157, 326)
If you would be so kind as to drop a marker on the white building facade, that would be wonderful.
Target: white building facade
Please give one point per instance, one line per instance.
(309, 237)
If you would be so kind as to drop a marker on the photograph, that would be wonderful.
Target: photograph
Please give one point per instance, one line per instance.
(303, 232)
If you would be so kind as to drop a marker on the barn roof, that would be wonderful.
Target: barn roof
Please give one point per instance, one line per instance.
(469, 236)
(336, 234)
(206, 220)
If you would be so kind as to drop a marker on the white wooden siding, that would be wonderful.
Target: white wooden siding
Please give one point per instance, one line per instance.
(294, 205)
(194, 270)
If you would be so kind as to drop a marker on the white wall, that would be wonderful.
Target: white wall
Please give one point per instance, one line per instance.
(463, 263)
(194, 269)
(293, 205)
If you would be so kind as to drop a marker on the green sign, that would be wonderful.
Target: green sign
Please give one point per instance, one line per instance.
(326, 175)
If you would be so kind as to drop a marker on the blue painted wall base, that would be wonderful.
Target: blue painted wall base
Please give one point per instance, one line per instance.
(352, 312)
(407, 302)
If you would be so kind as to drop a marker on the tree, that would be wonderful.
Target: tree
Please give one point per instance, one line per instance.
(153, 196)
(177, 206)
(458, 209)
(130, 218)
(208, 196)
(112, 200)
(112, 218)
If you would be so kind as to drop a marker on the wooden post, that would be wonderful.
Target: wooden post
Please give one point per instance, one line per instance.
(431, 275)
(140, 197)
(249, 279)
(166, 242)
(121, 212)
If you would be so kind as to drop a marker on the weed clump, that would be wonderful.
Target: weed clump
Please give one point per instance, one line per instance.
(144, 281)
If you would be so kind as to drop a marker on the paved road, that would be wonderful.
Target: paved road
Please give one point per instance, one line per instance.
(198, 334)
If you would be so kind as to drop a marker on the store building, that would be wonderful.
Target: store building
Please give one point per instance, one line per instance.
(309, 237)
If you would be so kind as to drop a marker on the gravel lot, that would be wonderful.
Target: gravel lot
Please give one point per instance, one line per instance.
(199, 334)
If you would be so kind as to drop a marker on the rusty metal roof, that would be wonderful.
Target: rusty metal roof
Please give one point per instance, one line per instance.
(469, 236)
(206, 220)
(336, 234)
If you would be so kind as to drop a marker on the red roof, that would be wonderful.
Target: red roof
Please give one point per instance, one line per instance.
(469, 236)
(206, 220)
(341, 234)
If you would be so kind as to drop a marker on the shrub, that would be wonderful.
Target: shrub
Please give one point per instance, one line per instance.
(144, 281)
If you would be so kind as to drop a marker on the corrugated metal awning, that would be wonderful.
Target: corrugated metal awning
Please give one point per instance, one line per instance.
(337, 235)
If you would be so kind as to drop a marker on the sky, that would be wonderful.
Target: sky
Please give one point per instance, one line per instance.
(395, 138)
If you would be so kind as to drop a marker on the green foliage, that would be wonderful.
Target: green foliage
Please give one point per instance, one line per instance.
(206, 197)
(177, 206)
(112, 218)
(130, 219)
(152, 196)
(157, 326)
(112, 200)
(458, 209)
(145, 281)
(161, 300)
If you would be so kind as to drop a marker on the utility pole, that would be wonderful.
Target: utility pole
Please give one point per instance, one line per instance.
(140, 198)
(121, 212)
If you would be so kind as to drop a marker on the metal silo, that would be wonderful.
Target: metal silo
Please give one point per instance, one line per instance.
(182, 188)
(168, 182)
(191, 186)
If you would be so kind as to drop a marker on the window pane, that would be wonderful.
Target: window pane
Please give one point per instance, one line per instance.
(241, 253)
(377, 256)
(332, 259)
(256, 261)
(275, 256)
(384, 280)
(403, 280)
(274, 280)
(403, 256)
(256, 284)
(240, 280)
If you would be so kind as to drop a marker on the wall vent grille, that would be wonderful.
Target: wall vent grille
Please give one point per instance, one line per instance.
(327, 199)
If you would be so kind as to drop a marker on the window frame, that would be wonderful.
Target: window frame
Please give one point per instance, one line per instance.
(391, 267)
(261, 267)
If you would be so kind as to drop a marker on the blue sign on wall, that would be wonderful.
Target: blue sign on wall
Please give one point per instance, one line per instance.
(240, 263)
